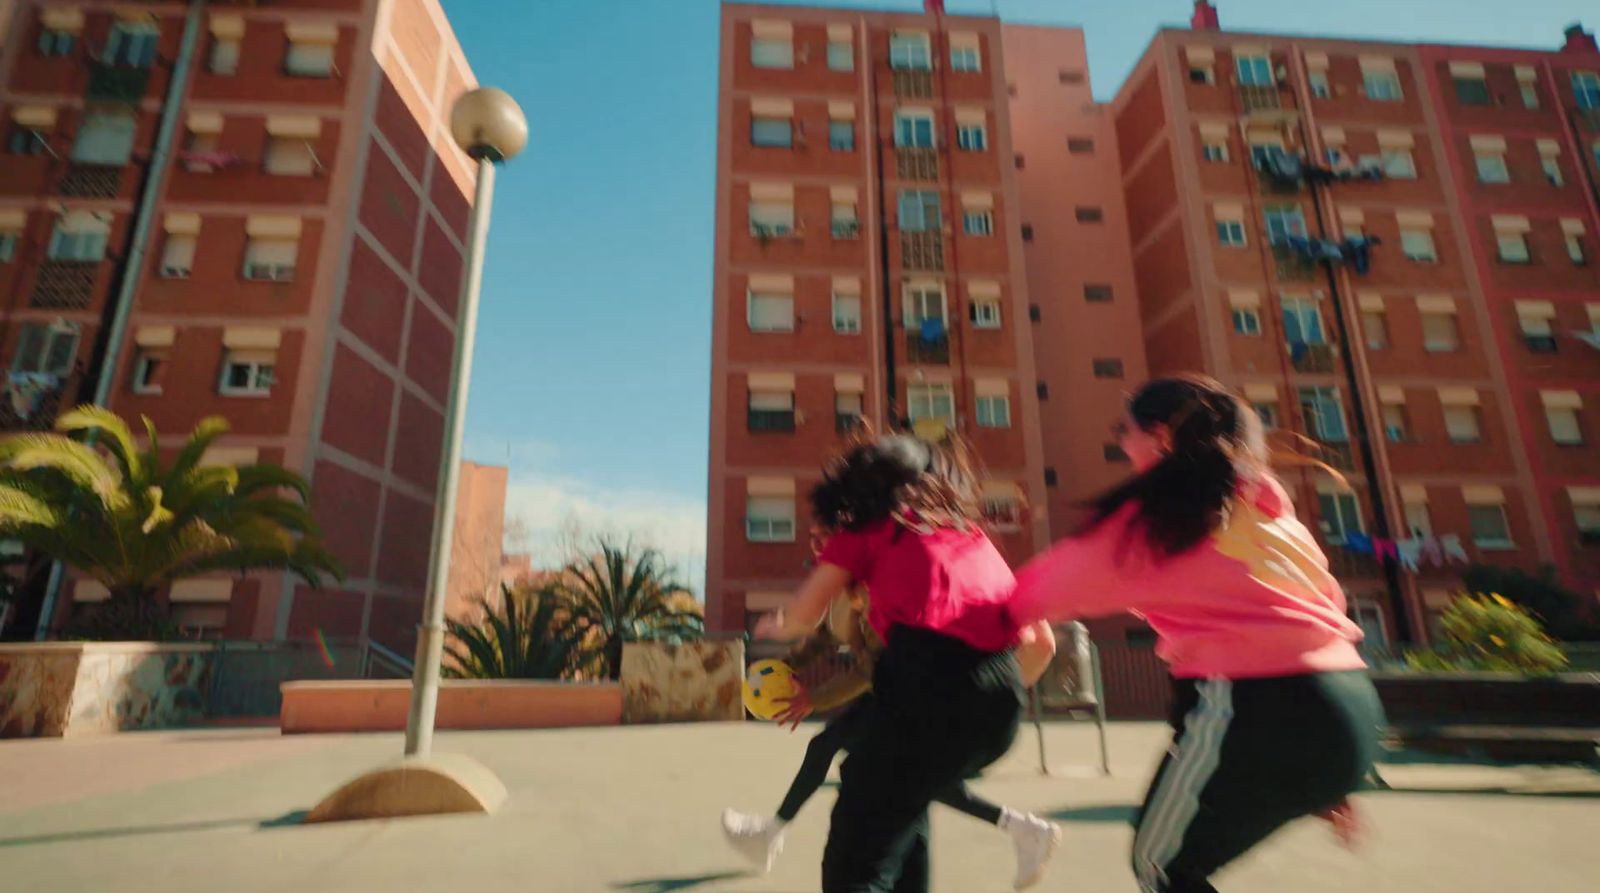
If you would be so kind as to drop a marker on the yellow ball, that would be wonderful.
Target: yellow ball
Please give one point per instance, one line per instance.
(767, 684)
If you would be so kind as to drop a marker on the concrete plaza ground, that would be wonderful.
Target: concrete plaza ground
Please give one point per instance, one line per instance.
(635, 809)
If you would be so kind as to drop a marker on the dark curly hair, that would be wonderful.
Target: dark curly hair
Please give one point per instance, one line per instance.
(1217, 445)
(898, 476)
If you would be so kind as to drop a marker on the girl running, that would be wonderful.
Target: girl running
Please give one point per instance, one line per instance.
(947, 690)
(1274, 715)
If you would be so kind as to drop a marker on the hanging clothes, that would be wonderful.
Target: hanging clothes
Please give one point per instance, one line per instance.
(1409, 551)
(1453, 551)
(1358, 252)
(1385, 549)
(1359, 543)
(1282, 168)
(932, 331)
(1431, 553)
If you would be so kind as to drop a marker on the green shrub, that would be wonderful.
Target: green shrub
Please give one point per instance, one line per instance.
(1489, 633)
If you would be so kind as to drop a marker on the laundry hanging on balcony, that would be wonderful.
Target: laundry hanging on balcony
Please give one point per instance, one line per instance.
(1283, 169)
(1415, 553)
(933, 331)
(1357, 252)
(26, 391)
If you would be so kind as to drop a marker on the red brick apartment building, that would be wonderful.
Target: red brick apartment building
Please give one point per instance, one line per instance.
(289, 231)
(1387, 248)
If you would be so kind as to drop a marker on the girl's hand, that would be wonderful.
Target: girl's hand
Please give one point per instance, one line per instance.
(796, 707)
(770, 626)
(1348, 825)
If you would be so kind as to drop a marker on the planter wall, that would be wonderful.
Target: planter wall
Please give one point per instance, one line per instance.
(699, 681)
(60, 689)
(381, 705)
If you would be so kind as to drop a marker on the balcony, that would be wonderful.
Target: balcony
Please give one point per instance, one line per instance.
(1588, 119)
(1312, 359)
(125, 84)
(1293, 266)
(31, 401)
(913, 83)
(91, 181)
(1348, 565)
(1339, 455)
(1256, 98)
(65, 285)
(771, 420)
(922, 251)
(848, 422)
(916, 164)
(925, 351)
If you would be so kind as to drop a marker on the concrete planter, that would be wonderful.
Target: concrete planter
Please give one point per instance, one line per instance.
(381, 705)
(700, 681)
(62, 689)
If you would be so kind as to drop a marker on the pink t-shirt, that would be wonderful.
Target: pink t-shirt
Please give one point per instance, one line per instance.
(950, 581)
(1255, 600)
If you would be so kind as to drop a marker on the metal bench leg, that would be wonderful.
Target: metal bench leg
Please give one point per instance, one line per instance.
(1100, 710)
(1038, 727)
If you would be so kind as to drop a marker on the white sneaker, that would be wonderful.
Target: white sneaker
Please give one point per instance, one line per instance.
(757, 838)
(1036, 841)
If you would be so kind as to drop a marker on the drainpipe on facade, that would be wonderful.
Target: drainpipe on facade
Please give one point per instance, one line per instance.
(106, 356)
(891, 386)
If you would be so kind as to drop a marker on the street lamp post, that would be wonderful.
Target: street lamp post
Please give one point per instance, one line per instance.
(489, 126)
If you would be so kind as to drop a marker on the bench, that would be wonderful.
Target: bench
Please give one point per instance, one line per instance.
(1494, 716)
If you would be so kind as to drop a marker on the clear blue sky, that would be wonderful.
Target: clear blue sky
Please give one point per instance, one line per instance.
(593, 360)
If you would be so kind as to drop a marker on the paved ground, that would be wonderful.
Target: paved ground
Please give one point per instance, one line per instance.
(635, 809)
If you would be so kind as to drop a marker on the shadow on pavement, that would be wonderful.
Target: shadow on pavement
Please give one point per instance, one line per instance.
(1117, 813)
(287, 820)
(670, 884)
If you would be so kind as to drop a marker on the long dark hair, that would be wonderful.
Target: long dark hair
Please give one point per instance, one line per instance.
(1217, 445)
(897, 476)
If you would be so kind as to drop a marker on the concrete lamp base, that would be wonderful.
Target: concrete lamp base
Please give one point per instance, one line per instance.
(437, 785)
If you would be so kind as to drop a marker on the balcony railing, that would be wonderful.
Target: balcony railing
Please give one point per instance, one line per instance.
(1348, 565)
(1588, 119)
(780, 420)
(916, 164)
(913, 84)
(1256, 98)
(928, 351)
(1312, 359)
(1292, 266)
(117, 83)
(1340, 455)
(91, 181)
(65, 285)
(847, 422)
(922, 251)
(31, 401)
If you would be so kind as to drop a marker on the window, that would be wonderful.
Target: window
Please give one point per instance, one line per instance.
(1043, 390)
(1375, 329)
(1027, 232)
(1530, 95)
(148, 366)
(56, 43)
(1394, 422)
(1268, 413)
(977, 223)
(774, 133)
(1471, 90)
(1586, 89)
(972, 137)
(994, 411)
(1575, 249)
(46, 349)
(1319, 84)
(1586, 517)
(1439, 333)
(986, 313)
(913, 129)
(1338, 515)
(1492, 168)
(771, 219)
(177, 255)
(1564, 427)
(1254, 71)
(1214, 152)
(769, 519)
(25, 141)
(1324, 414)
(1080, 145)
(1021, 162)
(842, 136)
(1089, 214)
(847, 314)
(1002, 510)
(1035, 313)
(79, 236)
(1398, 164)
(1490, 530)
(848, 412)
(1382, 86)
(841, 56)
(1050, 477)
(1461, 423)
(1203, 75)
(270, 260)
(105, 138)
(1284, 221)
(1096, 293)
(924, 303)
(1552, 169)
(1231, 233)
(1368, 615)
(201, 153)
(1513, 248)
(1418, 521)
(930, 401)
(772, 52)
(844, 222)
(1261, 154)
(919, 211)
(910, 51)
(1537, 333)
(770, 411)
(224, 56)
(965, 58)
(1070, 76)
(769, 312)
(8, 247)
(1108, 368)
(132, 44)
(290, 156)
(310, 58)
(1302, 321)
(246, 374)
(1246, 321)
(1417, 246)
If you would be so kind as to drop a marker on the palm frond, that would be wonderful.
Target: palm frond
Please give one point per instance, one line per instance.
(110, 430)
(54, 453)
(204, 435)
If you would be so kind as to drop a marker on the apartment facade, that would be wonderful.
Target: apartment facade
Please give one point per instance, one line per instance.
(1394, 267)
(869, 269)
(291, 249)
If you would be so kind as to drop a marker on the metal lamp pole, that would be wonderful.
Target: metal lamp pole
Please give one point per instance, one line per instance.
(489, 126)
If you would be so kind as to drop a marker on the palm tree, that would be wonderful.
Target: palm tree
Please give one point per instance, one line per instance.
(625, 594)
(89, 497)
(528, 636)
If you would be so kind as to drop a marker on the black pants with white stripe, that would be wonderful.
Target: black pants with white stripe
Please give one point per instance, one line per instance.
(1248, 756)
